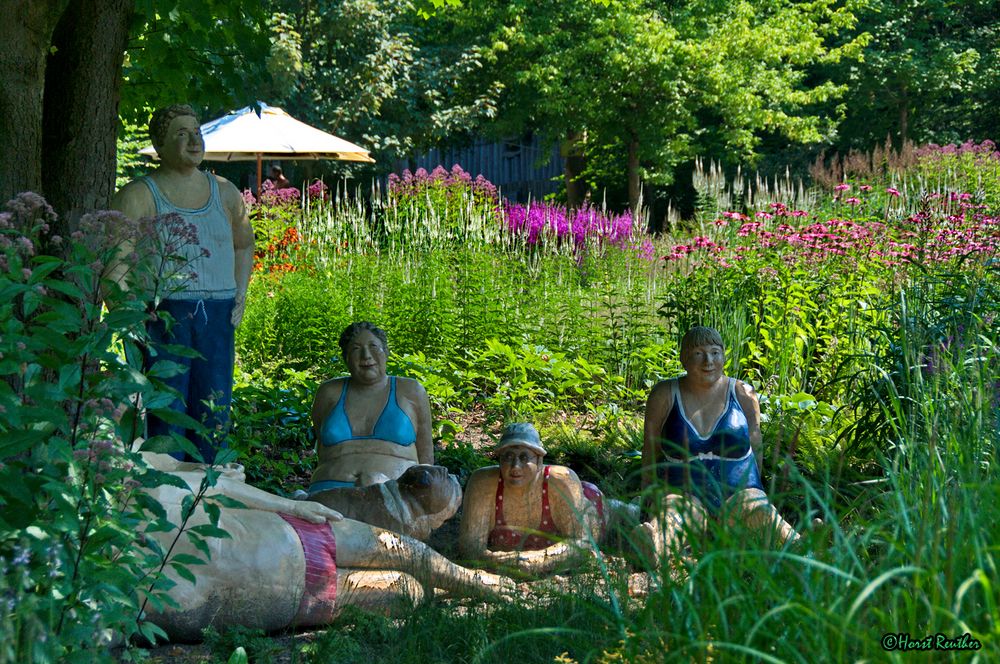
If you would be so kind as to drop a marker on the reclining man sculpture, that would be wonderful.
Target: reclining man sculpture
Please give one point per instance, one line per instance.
(290, 563)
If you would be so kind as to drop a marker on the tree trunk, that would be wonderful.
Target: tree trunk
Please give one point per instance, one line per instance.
(574, 161)
(80, 120)
(633, 174)
(904, 118)
(25, 32)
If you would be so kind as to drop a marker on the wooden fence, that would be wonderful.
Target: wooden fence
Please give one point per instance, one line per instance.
(520, 168)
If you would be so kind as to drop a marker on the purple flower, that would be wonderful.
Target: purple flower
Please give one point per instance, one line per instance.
(317, 189)
(22, 556)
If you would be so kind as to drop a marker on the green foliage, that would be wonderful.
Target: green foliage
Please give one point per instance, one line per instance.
(445, 202)
(969, 167)
(377, 72)
(646, 85)
(928, 74)
(604, 453)
(75, 578)
(226, 646)
(355, 636)
(203, 52)
(130, 163)
(461, 459)
(272, 431)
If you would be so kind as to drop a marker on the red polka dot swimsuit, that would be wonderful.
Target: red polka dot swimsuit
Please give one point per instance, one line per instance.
(509, 538)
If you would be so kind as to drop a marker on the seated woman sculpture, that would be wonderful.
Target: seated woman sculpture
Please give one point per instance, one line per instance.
(370, 426)
(290, 563)
(526, 515)
(701, 444)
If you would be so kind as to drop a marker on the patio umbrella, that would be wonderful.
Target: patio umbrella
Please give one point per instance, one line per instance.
(245, 135)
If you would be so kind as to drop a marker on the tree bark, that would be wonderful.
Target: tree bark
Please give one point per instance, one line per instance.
(26, 33)
(574, 161)
(904, 117)
(80, 119)
(633, 174)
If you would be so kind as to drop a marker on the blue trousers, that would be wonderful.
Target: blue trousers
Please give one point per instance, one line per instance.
(204, 326)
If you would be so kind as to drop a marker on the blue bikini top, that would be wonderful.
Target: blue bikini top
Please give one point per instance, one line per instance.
(393, 424)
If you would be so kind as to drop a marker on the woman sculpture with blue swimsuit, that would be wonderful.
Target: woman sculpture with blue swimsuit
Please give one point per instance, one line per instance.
(370, 426)
(701, 440)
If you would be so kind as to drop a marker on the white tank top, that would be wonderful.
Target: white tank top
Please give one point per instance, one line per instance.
(214, 275)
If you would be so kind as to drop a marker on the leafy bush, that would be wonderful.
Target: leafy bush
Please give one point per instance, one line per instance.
(272, 432)
(71, 520)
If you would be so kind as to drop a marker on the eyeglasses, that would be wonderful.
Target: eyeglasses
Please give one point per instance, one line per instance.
(508, 458)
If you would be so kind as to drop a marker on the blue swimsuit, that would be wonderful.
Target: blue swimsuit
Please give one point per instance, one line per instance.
(393, 424)
(711, 468)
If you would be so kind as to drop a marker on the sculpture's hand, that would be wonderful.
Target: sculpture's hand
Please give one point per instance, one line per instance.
(233, 471)
(238, 307)
(501, 585)
(315, 512)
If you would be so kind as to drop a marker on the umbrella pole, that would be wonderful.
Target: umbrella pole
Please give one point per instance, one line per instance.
(258, 176)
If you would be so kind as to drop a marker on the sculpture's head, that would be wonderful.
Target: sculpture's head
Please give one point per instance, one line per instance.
(433, 496)
(703, 354)
(176, 135)
(364, 347)
(432, 486)
(519, 454)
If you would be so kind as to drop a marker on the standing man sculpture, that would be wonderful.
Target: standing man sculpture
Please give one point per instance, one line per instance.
(207, 308)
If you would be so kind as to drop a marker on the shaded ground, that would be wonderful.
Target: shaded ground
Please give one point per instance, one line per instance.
(284, 647)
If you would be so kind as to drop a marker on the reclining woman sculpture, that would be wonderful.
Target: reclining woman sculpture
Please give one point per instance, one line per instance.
(370, 426)
(290, 563)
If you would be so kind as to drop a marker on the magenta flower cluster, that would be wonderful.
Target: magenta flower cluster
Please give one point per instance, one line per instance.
(286, 197)
(981, 152)
(536, 221)
(450, 182)
(928, 236)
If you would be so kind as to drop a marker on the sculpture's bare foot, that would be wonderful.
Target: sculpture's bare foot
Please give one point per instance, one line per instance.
(643, 539)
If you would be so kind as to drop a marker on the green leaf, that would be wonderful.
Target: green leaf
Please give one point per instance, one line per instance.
(183, 572)
(239, 656)
(152, 633)
(208, 530)
(225, 501)
(201, 545)
(187, 559)
(153, 478)
(171, 416)
(15, 442)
